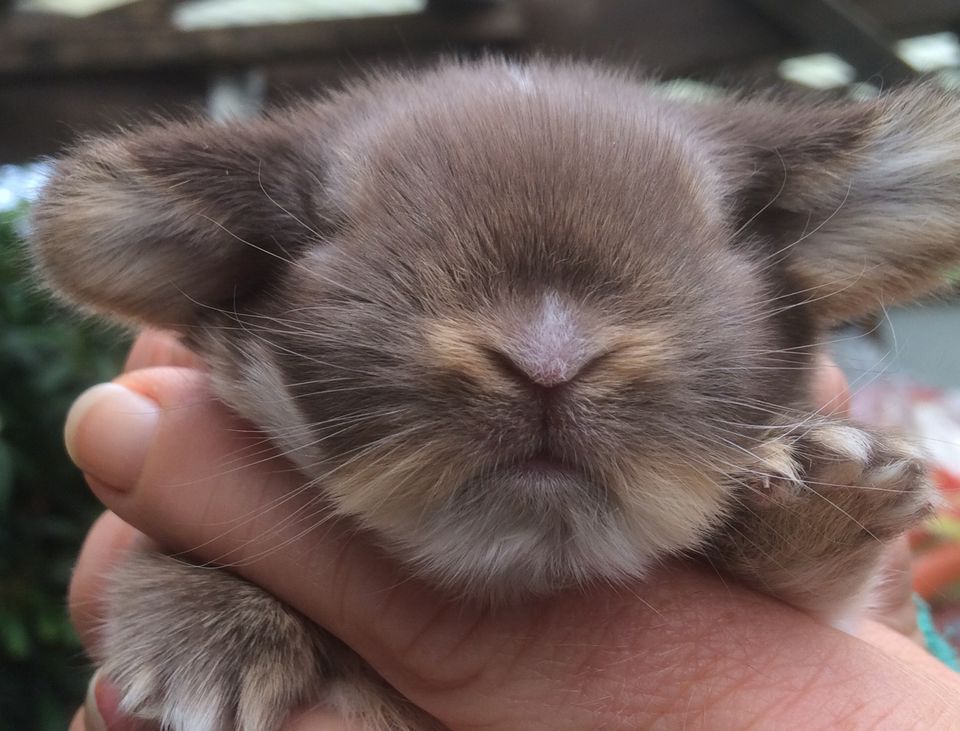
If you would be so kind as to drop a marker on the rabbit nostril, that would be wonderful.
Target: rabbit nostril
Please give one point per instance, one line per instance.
(506, 365)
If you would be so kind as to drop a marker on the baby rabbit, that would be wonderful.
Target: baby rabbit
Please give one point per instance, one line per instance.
(530, 326)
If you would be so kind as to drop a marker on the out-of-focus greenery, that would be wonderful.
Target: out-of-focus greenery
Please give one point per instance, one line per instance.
(47, 357)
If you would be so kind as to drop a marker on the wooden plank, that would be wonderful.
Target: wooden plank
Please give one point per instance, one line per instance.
(89, 91)
(459, 6)
(664, 37)
(844, 29)
(918, 14)
(34, 52)
(675, 37)
(40, 117)
(694, 36)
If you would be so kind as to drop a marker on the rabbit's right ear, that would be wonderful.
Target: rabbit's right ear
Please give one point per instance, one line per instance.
(858, 201)
(159, 223)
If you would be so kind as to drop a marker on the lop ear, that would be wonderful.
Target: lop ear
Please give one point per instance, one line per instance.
(860, 201)
(159, 223)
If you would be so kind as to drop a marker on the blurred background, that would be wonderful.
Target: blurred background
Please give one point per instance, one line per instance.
(75, 67)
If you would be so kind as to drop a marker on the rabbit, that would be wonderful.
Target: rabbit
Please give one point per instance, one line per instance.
(527, 325)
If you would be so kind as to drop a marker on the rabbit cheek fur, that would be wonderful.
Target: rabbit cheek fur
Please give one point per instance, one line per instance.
(530, 326)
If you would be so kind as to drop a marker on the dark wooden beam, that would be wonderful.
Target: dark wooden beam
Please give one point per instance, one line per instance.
(136, 12)
(82, 88)
(669, 37)
(459, 6)
(844, 29)
(40, 117)
(905, 13)
(696, 36)
(82, 48)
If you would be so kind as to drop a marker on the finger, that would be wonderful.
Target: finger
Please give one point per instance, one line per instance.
(896, 644)
(626, 661)
(106, 544)
(109, 535)
(157, 438)
(830, 390)
(101, 709)
(321, 720)
(158, 348)
(893, 599)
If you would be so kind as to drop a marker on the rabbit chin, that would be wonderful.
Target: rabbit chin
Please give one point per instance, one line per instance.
(535, 529)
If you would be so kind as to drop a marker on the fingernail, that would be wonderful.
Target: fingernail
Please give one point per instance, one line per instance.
(108, 433)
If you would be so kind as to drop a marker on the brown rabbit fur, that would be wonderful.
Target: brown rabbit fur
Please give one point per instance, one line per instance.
(530, 325)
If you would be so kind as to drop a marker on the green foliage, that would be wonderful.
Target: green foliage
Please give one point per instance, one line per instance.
(46, 359)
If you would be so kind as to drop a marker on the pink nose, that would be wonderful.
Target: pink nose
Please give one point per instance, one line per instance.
(550, 346)
(545, 374)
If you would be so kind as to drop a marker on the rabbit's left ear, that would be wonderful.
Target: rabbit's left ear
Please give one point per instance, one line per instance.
(859, 201)
(165, 223)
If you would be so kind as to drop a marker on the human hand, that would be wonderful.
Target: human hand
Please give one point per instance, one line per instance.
(682, 649)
